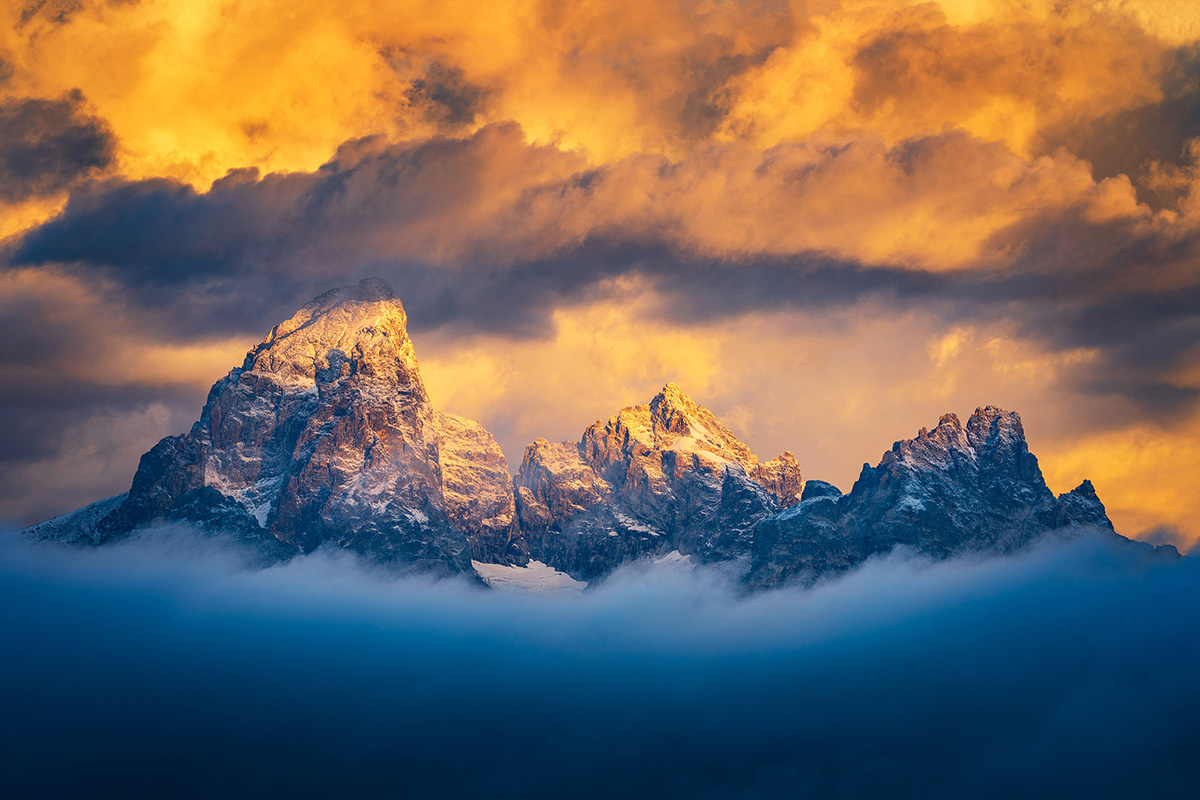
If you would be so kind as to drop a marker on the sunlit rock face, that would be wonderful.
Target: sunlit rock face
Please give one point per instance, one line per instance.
(951, 490)
(325, 435)
(652, 479)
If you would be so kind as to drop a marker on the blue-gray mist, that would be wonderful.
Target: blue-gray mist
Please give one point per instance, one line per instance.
(170, 667)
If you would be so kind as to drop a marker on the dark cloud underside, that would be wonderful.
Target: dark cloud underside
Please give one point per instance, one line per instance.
(237, 258)
(47, 146)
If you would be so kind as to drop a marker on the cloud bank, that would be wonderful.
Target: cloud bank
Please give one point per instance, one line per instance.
(170, 665)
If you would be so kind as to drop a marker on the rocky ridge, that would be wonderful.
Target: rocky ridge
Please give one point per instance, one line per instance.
(325, 437)
(950, 490)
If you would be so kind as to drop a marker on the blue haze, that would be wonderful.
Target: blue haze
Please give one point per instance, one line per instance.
(172, 667)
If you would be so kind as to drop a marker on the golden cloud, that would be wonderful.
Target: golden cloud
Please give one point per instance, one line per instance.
(195, 87)
(927, 136)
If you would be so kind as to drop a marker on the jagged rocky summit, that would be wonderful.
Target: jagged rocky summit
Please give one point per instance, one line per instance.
(949, 491)
(325, 437)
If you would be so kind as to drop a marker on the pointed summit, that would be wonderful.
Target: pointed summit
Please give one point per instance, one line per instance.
(680, 424)
(354, 330)
(672, 393)
(677, 422)
(990, 426)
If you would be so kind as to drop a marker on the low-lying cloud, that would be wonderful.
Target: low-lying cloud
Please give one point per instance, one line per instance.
(171, 665)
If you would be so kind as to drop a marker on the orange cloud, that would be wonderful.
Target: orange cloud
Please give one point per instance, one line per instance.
(930, 136)
(196, 87)
(1000, 70)
(1145, 475)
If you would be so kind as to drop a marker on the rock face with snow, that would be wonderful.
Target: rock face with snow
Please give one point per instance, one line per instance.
(325, 434)
(948, 491)
(652, 479)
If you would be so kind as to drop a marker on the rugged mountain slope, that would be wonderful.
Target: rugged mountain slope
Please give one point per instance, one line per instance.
(950, 490)
(653, 478)
(326, 434)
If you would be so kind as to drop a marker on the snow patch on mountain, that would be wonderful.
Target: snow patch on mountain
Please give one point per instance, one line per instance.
(533, 578)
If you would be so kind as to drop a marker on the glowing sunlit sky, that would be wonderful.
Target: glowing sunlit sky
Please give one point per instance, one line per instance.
(830, 222)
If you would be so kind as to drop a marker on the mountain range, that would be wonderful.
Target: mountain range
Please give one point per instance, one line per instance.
(325, 437)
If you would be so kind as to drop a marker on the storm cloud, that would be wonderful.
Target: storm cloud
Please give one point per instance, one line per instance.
(47, 146)
(491, 233)
(170, 665)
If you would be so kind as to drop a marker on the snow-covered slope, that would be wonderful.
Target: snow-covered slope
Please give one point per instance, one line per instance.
(533, 578)
(78, 526)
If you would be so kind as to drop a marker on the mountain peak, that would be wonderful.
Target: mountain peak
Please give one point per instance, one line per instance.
(368, 290)
(672, 392)
(673, 412)
(326, 435)
(343, 332)
(990, 425)
(672, 401)
(950, 420)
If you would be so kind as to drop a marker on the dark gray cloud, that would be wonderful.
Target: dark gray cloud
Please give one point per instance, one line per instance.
(491, 234)
(38, 415)
(62, 412)
(48, 146)
(702, 102)
(56, 12)
(1129, 142)
(64, 442)
(166, 667)
(446, 97)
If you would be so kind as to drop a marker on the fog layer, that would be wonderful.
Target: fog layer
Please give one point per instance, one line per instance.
(173, 666)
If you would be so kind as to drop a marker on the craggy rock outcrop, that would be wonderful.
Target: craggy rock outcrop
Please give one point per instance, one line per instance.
(325, 435)
(653, 478)
(948, 491)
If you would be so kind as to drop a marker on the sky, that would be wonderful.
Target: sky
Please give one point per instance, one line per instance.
(830, 222)
(168, 666)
